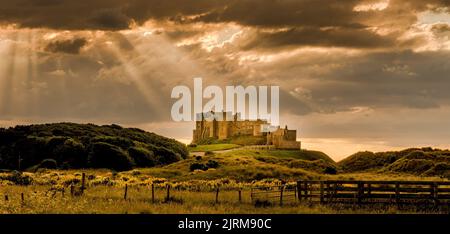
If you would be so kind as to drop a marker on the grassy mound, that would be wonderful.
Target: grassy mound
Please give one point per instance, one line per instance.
(307, 155)
(249, 165)
(423, 162)
(70, 145)
(366, 160)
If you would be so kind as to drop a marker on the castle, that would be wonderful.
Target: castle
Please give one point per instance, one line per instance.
(208, 127)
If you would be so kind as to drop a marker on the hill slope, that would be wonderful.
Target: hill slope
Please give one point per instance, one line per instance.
(416, 161)
(70, 145)
(249, 165)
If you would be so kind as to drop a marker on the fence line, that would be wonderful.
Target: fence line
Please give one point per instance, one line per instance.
(358, 192)
(420, 193)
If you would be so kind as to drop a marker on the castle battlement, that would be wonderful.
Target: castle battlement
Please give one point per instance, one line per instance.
(225, 125)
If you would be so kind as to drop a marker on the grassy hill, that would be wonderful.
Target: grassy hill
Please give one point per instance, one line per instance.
(249, 165)
(70, 145)
(416, 161)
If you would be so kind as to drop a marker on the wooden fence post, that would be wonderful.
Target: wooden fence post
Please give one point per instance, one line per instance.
(22, 199)
(328, 192)
(240, 195)
(299, 191)
(321, 192)
(281, 195)
(71, 190)
(434, 193)
(6, 197)
(125, 193)
(83, 181)
(360, 192)
(295, 193)
(168, 192)
(305, 187)
(217, 195)
(397, 193)
(153, 193)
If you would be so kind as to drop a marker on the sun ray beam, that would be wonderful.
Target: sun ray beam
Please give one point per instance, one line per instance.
(7, 77)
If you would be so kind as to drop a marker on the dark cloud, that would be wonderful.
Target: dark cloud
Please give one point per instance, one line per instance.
(297, 22)
(355, 38)
(65, 14)
(441, 29)
(117, 14)
(375, 80)
(95, 14)
(110, 19)
(284, 13)
(331, 62)
(68, 46)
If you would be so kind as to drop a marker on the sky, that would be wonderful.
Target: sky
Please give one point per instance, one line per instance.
(354, 75)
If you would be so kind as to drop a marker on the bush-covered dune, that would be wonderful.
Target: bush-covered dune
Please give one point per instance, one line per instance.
(416, 161)
(70, 145)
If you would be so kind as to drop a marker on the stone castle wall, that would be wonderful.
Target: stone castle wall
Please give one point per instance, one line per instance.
(281, 138)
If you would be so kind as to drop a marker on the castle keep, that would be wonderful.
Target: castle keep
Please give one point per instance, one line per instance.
(232, 126)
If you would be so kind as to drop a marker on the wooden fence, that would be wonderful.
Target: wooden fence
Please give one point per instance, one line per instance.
(358, 192)
(280, 194)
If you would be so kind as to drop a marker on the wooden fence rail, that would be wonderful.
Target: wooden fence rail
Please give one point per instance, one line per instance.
(282, 194)
(358, 192)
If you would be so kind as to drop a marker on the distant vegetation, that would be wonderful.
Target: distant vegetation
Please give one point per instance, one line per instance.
(416, 161)
(75, 146)
(69, 145)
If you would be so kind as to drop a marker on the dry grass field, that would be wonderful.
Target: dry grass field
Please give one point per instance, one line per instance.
(110, 200)
(105, 191)
(191, 190)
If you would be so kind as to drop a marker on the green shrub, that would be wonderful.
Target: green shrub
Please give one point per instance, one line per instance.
(165, 155)
(17, 178)
(330, 170)
(104, 155)
(198, 166)
(142, 157)
(123, 143)
(212, 164)
(71, 144)
(71, 153)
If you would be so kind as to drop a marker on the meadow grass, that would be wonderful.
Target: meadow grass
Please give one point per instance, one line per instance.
(212, 147)
(191, 191)
(110, 200)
